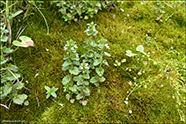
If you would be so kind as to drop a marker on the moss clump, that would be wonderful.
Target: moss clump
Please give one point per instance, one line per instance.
(151, 102)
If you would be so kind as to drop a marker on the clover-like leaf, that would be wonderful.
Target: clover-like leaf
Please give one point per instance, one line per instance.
(85, 83)
(99, 71)
(129, 53)
(74, 71)
(73, 89)
(67, 79)
(94, 79)
(86, 76)
(20, 99)
(25, 42)
(80, 82)
(77, 78)
(79, 96)
(97, 62)
(140, 48)
(86, 91)
(102, 79)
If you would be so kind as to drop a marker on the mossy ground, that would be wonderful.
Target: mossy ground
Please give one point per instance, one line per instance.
(153, 104)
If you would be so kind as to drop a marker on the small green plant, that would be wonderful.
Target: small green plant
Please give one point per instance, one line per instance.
(81, 69)
(75, 10)
(10, 76)
(51, 91)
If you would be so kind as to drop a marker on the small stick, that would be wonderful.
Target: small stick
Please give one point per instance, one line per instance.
(37, 101)
(4, 106)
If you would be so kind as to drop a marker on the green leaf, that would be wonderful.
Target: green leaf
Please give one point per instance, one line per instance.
(14, 66)
(98, 4)
(7, 50)
(17, 43)
(15, 14)
(117, 63)
(7, 90)
(47, 88)
(54, 89)
(4, 31)
(102, 79)
(94, 79)
(105, 62)
(107, 54)
(99, 71)
(129, 53)
(10, 78)
(74, 71)
(66, 79)
(77, 78)
(76, 63)
(86, 17)
(73, 89)
(4, 61)
(140, 48)
(67, 96)
(97, 54)
(79, 96)
(85, 83)
(4, 38)
(97, 62)
(25, 42)
(20, 99)
(124, 60)
(86, 76)
(54, 94)
(67, 63)
(48, 95)
(65, 68)
(18, 86)
(86, 91)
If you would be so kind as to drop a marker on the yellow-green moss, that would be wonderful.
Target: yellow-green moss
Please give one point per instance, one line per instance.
(151, 104)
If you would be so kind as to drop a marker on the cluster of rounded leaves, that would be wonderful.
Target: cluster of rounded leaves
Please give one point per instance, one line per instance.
(84, 69)
(75, 10)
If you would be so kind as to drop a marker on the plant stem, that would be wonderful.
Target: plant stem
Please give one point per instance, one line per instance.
(43, 18)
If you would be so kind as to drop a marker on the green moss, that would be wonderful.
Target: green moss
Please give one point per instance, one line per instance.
(151, 104)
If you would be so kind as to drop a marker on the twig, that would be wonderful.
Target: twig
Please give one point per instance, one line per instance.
(8, 68)
(37, 101)
(18, 80)
(10, 103)
(4, 106)
(21, 32)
